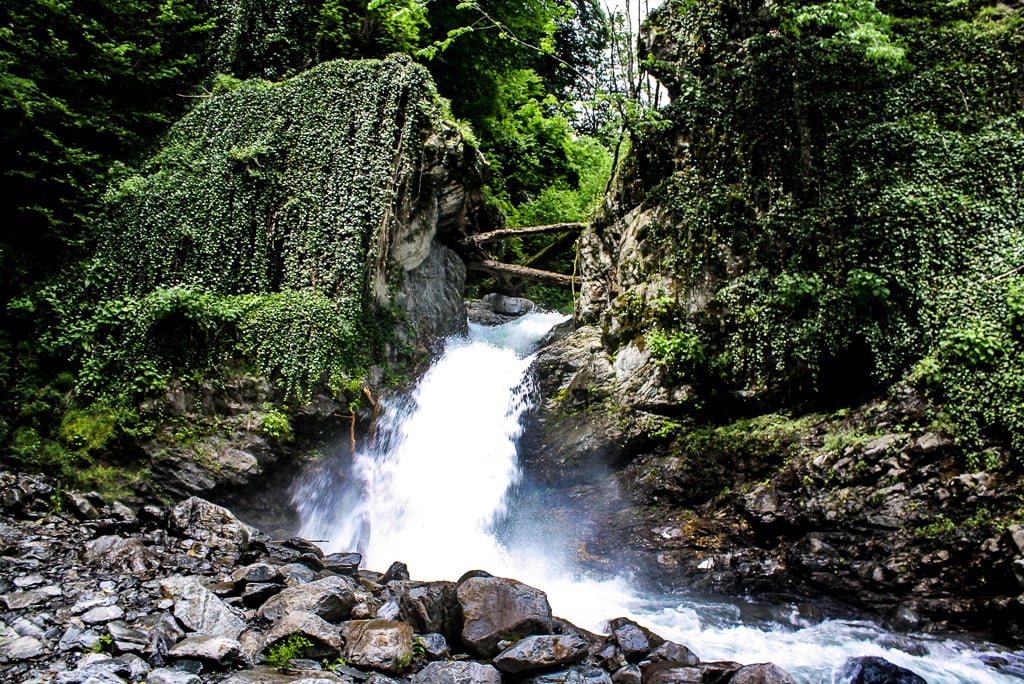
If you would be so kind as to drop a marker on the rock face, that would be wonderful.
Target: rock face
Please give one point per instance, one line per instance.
(185, 619)
(754, 484)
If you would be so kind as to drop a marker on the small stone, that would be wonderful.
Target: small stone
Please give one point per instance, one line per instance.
(80, 506)
(22, 648)
(215, 649)
(26, 581)
(257, 572)
(25, 599)
(128, 639)
(165, 675)
(76, 638)
(102, 614)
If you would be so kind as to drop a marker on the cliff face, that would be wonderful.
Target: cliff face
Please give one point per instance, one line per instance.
(284, 248)
(798, 338)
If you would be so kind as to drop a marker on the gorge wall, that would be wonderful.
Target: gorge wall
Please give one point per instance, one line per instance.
(797, 335)
(284, 249)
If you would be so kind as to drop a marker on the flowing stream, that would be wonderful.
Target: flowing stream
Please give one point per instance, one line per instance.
(435, 484)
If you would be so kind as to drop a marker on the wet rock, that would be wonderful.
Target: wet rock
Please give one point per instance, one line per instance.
(199, 609)
(495, 608)
(397, 572)
(457, 672)
(432, 607)
(762, 673)
(670, 651)
(80, 506)
(671, 673)
(75, 637)
(165, 675)
(331, 598)
(342, 563)
(579, 674)
(326, 640)
(541, 652)
(380, 645)
(719, 672)
(507, 306)
(875, 670)
(634, 642)
(120, 554)
(128, 639)
(256, 594)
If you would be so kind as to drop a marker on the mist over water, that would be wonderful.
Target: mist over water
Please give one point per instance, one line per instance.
(433, 488)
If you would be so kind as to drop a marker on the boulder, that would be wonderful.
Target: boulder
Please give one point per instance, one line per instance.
(507, 306)
(671, 673)
(634, 642)
(199, 609)
(331, 598)
(255, 573)
(211, 524)
(212, 649)
(541, 652)
(165, 675)
(22, 648)
(762, 673)
(457, 672)
(381, 645)
(578, 674)
(324, 636)
(495, 608)
(875, 670)
(432, 607)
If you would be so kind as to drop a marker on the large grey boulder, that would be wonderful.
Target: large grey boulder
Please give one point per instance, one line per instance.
(432, 607)
(199, 609)
(540, 652)
(457, 672)
(671, 673)
(211, 524)
(495, 608)
(325, 637)
(762, 673)
(382, 645)
(331, 598)
(875, 670)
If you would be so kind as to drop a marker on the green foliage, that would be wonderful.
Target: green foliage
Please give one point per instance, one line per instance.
(843, 189)
(283, 652)
(681, 352)
(275, 423)
(223, 246)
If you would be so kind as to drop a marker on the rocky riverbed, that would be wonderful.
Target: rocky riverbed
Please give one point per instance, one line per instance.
(94, 592)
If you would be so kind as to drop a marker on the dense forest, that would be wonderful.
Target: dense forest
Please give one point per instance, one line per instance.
(849, 169)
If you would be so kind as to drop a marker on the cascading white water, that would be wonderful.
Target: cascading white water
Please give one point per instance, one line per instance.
(436, 480)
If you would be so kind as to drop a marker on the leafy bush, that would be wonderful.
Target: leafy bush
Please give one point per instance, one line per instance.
(280, 654)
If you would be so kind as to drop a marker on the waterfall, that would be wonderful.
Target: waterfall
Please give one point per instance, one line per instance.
(434, 484)
(435, 480)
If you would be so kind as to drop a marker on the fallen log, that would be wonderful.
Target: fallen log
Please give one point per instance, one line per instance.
(482, 238)
(497, 268)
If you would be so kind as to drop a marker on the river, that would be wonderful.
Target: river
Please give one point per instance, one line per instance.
(436, 482)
